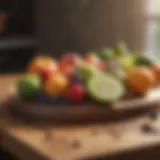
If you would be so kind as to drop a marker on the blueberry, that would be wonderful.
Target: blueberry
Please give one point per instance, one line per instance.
(42, 98)
(62, 101)
(48, 135)
(76, 144)
(77, 79)
(154, 115)
(146, 128)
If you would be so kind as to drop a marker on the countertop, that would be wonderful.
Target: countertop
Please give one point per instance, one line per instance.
(123, 140)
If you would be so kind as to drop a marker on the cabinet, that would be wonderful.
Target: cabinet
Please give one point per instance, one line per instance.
(17, 41)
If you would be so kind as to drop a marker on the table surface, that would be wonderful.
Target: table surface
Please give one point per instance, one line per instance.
(73, 142)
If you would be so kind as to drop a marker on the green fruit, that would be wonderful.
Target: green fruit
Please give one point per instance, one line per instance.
(87, 70)
(106, 54)
(28, 87)
(105, 88)
(141, 60)
(94, 54)
(121, 49)
(127, 62)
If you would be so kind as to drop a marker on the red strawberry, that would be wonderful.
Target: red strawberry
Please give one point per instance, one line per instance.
(76, 94)
(71, 59)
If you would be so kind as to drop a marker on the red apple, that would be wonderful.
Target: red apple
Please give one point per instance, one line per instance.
(70, 59)
(76, 94)
(67, 70)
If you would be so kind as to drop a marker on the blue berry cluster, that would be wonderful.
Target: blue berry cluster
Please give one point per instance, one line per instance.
(43, 99)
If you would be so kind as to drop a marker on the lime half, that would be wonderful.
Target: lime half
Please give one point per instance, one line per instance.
(105, 88)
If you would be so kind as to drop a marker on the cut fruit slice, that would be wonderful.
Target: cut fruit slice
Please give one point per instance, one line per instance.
(105, 88)
(87, 70)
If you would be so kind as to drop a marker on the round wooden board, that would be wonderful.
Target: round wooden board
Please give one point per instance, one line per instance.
(88, 112)
(75, 114)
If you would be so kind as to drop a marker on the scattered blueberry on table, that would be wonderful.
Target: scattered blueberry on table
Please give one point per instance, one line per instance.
(147, 128)
(48, 135)
(94, 131)
(76, 144)
(154, 115)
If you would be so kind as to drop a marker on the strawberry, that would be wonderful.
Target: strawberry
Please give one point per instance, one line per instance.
(76, 93)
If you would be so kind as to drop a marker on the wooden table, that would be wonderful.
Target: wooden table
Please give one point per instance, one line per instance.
(123, 140)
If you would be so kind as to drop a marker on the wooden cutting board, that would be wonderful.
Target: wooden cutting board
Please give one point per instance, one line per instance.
(86, 112)
(120, 140)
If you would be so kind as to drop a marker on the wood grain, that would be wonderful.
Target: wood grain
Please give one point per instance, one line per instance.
(85, 113)
(29, 142)
(122, 140)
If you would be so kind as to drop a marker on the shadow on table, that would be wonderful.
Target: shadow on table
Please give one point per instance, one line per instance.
(4, 155)
(152, 153)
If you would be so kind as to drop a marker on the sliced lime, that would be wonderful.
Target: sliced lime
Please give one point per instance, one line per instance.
(105, 88)
(87, 70)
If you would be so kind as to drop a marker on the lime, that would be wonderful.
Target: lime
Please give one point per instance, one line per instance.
(105, 88)
(121, 49)
(87, 70)
(28, 86)
(106, 54)
(142, 60)
(127, 62)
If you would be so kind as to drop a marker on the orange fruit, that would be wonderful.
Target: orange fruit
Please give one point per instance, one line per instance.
(140, 80)
(40, 63)
(44, 66)
(56, 85)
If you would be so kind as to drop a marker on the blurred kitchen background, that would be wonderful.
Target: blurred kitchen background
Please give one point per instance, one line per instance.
(17, 40)
(28, 27)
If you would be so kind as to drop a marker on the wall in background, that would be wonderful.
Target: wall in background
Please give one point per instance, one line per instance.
(63, 26)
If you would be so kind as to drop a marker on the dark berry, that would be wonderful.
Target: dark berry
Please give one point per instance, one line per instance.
(147, 128)
(154, 115)
(94, 132)
(62, 101)
(48, 135)
(77, 79)
(44, 99)
(76, 144)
